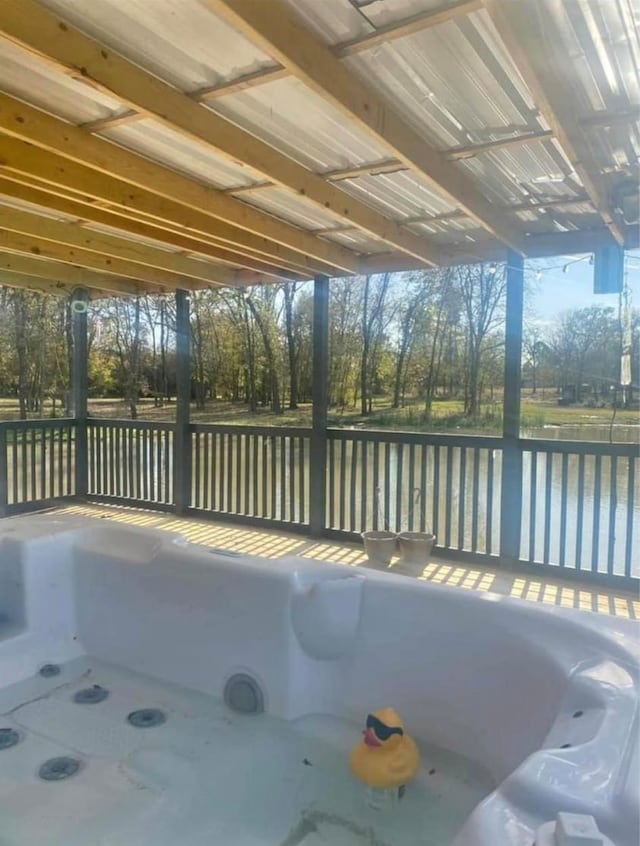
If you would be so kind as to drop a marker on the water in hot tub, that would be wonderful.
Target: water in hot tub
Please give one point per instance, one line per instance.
(206, 776)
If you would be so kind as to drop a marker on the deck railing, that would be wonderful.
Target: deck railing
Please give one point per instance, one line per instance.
(255, 472)
(37, 463)
(130, 461)
(445, 484)
(580, 501)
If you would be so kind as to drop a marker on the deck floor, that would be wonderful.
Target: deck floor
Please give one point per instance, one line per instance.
(537, 587)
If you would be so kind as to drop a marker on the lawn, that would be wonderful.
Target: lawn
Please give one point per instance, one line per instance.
(447, 415)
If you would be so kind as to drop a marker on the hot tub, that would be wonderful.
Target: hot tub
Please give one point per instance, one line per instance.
(250, 681)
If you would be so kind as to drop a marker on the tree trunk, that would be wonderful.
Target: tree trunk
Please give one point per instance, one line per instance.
(289, 294)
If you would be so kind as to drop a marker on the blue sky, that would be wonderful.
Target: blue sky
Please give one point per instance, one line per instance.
(557, 291)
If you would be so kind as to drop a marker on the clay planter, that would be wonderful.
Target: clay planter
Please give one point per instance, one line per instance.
(415, 551)
(380, 547)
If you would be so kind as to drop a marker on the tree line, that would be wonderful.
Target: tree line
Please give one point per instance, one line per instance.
(413, 337)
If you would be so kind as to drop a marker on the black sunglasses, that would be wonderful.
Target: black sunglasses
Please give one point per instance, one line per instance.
(381, 731)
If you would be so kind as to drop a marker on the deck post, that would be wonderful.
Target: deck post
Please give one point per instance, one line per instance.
(320, 397)
(4, 472)
(79, 305)
(181, 438)
(511, 486)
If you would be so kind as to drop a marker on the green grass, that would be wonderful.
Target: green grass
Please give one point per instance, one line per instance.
(447, 415)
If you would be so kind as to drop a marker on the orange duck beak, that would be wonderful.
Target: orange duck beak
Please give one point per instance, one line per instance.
(369, 737)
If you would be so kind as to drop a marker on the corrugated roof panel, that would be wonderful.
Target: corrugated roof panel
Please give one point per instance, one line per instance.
(383, 12)
(171, 148)
(510, 174)
(298, 122)
(355, 239)
(332, 20)
(618, 144)
(397, 195)
(449, 83)
(291, 207)
(570, 217)
(29, 78)
(450, 228)
(594, 49)
(182, 42)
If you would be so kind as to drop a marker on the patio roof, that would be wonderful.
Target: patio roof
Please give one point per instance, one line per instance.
(154, 145)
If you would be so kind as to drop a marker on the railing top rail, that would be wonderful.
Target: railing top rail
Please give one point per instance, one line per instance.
(44, 423)
(425, 438)
(580, 447)
(110, 423)
(239, 429)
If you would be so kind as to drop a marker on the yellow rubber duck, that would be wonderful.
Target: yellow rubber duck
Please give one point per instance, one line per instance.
(386, 756)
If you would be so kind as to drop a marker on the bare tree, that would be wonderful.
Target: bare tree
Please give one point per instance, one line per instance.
(482, 288)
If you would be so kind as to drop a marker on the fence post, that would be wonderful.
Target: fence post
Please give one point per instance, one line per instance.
(4, 472)
(80, 386)
(320, 397)
(511, 487)
(182, 437)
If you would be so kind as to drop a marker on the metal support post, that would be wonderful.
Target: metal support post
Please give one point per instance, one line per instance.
(80, 386)
(320, 396)
(511, 488)
(182, 437)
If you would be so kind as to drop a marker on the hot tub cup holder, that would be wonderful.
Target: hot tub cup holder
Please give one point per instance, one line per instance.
(571, 830)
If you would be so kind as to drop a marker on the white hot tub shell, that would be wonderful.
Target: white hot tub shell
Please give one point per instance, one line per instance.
(543, 700)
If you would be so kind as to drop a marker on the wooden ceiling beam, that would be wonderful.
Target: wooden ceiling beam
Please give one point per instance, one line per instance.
(275, 29)
(54, 135)
(21, 158)
(74, 235)
(87, 210)
(44, 286)
(31, 245)
(89, 213)
(39, 30)
(72, 275)
(517, 31)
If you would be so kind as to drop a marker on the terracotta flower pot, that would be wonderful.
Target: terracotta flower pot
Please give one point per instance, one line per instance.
(415, 550)
(380, 547)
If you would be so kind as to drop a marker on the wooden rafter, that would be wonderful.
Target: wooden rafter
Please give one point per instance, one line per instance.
(34, 27)
(45, 286)
(71, 275)
(52, 134)
(553, 102)
(31, 245)
(89, 213)
(276, 30)
(26, 159)
(74, 235)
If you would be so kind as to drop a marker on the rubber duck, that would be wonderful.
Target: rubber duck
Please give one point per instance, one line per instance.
(386, 757)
